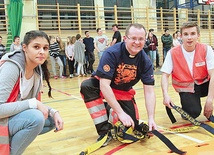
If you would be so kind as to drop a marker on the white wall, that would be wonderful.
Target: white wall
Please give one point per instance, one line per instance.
(29, 17)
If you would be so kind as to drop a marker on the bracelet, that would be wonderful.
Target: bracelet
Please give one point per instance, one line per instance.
(52, 112)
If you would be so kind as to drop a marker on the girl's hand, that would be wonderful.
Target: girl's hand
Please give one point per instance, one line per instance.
(41, 107)
(58, 122)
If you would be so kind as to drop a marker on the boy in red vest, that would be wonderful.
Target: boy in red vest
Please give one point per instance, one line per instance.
(192, 68)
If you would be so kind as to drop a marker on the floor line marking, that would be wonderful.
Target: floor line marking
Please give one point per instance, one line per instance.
(185, 136)
(116, 149)
(65, 93)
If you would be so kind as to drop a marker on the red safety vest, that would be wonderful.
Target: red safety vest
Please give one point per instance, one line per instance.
(182, 80)
(5, 148)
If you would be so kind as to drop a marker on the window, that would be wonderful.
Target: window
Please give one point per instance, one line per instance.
(2, 16)
(119, 3)
(48, 14)
(123, 13)
(66, 2)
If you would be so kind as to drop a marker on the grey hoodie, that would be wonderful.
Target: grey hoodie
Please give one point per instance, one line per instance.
(10, 71)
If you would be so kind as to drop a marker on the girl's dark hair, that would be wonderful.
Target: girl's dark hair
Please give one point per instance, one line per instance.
(47, 76)
(31, 35)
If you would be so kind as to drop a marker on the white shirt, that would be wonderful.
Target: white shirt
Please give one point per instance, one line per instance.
(27, 85)
(101, 42)
(176, 42)
(70, 50)
(189, 57)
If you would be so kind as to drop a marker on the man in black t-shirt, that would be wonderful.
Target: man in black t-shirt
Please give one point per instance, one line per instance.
(117, 36)
(121, 67)
(89, 52)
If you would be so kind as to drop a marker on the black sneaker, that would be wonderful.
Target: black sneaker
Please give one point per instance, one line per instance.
(109, 138)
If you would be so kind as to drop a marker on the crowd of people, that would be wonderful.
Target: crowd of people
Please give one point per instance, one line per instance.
(77, 52)
(121, 66)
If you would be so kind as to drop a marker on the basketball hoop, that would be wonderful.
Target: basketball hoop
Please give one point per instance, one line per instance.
(205, 2)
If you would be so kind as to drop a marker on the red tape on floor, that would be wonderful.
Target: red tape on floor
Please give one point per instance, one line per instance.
(116, 149)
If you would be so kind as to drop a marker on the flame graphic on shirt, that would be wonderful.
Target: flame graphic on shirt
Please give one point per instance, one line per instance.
(125, 73)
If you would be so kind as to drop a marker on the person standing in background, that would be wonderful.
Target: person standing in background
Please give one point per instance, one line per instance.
(62, 54)
(16, 45)
(179, 36)
(175, 40)
(157, 53)
(79, 55)
(117, 36)
(89, 52)
(54, 57)
(152, 46)
(2, 48)
(100, 42)
(167, 40)
(69, 51)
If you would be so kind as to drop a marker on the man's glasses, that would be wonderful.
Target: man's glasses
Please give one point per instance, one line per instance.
(134, 39)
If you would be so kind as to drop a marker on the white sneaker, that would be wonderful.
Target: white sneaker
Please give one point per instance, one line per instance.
(71, 75)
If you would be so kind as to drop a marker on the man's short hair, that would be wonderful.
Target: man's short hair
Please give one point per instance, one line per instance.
(86, 32)
(166, 29)
(151, 30)
(115, 25)
(15, 38)
(98, 29)
(135, 25)
(189, 24)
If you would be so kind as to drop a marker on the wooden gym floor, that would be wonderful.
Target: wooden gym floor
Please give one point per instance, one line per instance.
(79, 131)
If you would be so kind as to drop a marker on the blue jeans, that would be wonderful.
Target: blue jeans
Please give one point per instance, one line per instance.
(165, 50)
(100, 54)
(64, 62)
(152, 55)
(24, 127)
